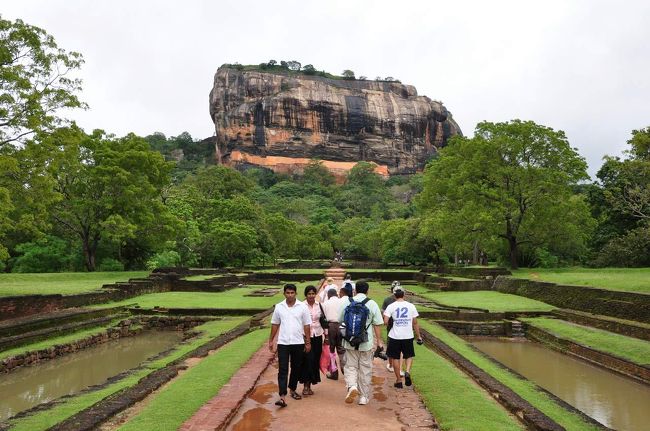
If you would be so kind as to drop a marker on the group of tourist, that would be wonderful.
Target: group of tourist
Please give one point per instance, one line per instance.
(348, 323)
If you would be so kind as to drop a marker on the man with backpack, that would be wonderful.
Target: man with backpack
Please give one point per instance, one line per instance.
(358, 315)
(349, 284)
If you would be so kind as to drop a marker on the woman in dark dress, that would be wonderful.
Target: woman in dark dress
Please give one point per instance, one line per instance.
(310, 374)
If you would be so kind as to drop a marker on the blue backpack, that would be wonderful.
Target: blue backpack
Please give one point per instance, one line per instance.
(353, 328)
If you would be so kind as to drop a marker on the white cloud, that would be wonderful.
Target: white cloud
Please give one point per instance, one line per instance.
(580, 66)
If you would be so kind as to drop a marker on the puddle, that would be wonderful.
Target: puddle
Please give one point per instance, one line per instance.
(257, 419)
(263, 393)
(378, 380)
(379, 396)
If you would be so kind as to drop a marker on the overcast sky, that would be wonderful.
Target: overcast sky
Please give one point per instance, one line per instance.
(578, 66)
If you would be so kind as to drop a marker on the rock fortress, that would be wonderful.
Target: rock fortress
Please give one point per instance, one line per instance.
(282, 121)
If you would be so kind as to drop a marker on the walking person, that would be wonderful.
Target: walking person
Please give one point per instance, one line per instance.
(310, 374)
(349, 284)
(387, 301)
(400, 337)
(357, 316)
(332, 309)
(291, 322)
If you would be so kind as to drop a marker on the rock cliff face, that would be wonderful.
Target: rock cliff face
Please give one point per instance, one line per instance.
(281, 122)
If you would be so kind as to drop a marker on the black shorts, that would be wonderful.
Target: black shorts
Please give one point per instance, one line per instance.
(397, 347)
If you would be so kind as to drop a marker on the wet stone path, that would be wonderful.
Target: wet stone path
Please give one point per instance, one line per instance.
(231, 409)
(389, 408)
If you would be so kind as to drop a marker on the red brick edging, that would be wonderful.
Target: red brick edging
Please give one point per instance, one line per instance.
(217, 413)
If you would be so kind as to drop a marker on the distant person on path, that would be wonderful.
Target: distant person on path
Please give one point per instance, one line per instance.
(330, 285)
(358, 358)
(349, 283)
(400, 337)
(310, 374)
(292, 320)
(332, 309)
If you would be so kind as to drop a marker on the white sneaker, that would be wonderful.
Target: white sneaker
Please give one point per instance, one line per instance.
(363, 401)
(352, 394)
(401, 373)
(389, 367)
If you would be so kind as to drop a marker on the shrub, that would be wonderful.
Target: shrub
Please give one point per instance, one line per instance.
(110, 264)
(164, 259)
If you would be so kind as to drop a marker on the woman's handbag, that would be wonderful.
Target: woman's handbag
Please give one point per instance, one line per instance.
(322, 319)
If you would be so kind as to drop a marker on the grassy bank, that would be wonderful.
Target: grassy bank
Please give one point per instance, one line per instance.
(70, 406)
(626, 279)
(492, 301)
(185, 395)
(64, 283)
(447, 393)
(632, 349)
(63, 339)
(526, 389)
(231, 299)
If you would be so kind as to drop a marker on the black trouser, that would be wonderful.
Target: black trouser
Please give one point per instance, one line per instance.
(289, 353)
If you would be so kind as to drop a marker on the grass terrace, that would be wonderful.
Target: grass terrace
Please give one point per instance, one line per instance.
(230, 299)
(447, 392)
(64, 283)
(492, 301)
(69, 406)
(526, 389)
(632, 349)
(178, 401)
(625, 279)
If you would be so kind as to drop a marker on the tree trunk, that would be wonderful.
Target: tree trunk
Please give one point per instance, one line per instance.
(475, 254)
(90, 254)
(512, 242)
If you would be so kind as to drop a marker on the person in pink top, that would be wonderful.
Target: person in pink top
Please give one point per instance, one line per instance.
(310, 374)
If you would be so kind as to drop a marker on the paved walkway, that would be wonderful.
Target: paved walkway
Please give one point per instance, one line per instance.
(389, 408)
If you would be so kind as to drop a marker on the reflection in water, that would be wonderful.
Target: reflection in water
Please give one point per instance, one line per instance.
(27, 387)
(613, 400)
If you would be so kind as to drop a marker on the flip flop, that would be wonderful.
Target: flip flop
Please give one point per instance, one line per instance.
(281, 403)
(407, 378)
(296, 396)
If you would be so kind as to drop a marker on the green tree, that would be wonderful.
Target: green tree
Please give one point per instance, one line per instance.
(227, 243)
(108, 188)
(513, 181)
(47, 254)
(348, 74)
(34, 81)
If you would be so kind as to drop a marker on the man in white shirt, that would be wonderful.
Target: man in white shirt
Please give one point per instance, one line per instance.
(400, 336)
(292, 320)
(330, 285)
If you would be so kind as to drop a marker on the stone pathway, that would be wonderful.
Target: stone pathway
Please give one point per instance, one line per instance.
(389, 408)
(247, 403)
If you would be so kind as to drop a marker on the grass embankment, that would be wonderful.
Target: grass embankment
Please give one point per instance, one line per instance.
(63, 339)
(230, 299)
(185, 395)
(524, 388)
(68, 407)
(632, 349)
(625, 279)
(64, 283)
(492, 301)
(448, 392)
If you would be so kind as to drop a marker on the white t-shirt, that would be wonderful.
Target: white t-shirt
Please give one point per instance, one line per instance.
(332, 308)
(402, 313)
(291, 321)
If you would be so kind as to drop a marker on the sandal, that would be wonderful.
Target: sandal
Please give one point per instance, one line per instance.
(307, 392)
(295, 395)
(281, 403)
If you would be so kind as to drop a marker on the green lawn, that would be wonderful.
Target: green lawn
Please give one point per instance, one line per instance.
(185, 395)
(526, 389)
(627, 279)
(632, 349)
(447, 393)
(65, 283)
(493, 301)
(68, 407)
(230, 299)
(63, 339)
